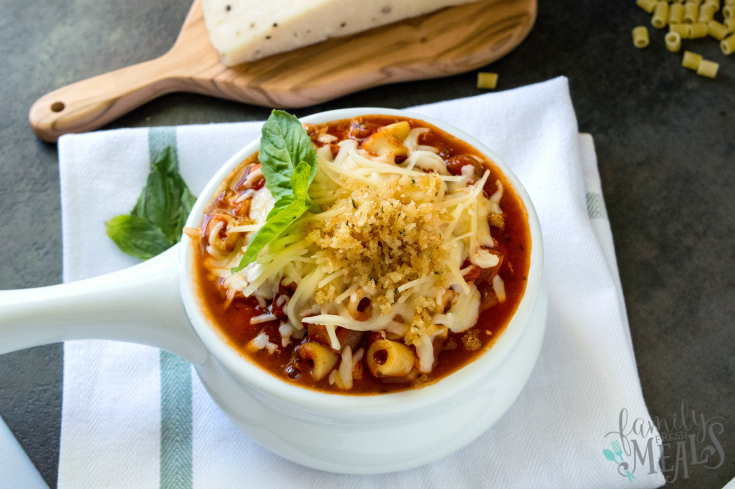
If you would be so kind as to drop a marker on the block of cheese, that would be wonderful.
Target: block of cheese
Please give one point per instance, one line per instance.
(246, 30)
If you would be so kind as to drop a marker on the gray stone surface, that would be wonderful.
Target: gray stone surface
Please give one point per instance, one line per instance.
(665, 141)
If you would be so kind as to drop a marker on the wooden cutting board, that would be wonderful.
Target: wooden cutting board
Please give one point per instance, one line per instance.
(446, 42)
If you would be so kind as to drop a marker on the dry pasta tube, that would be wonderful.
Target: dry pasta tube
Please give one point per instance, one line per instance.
(729, 2)
(660, 15)
(673, 42)
(681, 29)
(708, 68)
(728, 45)
(716, 3)
(647, 5)
(676, 13)
(730, 24)
(691, 12)
(728, 11)
(716, 30)
(691, 60)
(698, 30)
(707, 12)
(640, 37)
(487, 80)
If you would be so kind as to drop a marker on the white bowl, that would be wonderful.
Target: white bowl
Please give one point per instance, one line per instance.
(332, 432)
(380, 433)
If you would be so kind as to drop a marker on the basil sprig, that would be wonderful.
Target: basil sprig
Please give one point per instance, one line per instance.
(283, 145)
(288, 162)
(156, 222)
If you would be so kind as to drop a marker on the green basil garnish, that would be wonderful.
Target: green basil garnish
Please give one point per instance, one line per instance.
(283, 145)
(156, 222)
(137, 237)
(288, 162)
(278, 222)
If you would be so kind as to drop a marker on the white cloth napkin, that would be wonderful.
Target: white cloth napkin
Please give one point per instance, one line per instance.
(16, 469)
(553, 436)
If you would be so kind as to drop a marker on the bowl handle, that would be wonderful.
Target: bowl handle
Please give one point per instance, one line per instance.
(141, 304)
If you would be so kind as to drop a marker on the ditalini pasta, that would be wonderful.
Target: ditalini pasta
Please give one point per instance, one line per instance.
(708, 68)
(487, 80)
(698, 30)
(660, 15)
(409, 262)
(707, 12)
(693, 19)
(673, 42)
(727, 45)
(716, 30)
(681, 29)
(691, 12)
(691, 60)
(676, 13)
(640, 37)
(647, 5)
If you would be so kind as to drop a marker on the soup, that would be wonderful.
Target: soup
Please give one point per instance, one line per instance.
(410, 262)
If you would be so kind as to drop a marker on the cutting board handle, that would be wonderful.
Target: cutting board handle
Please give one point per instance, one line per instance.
(442, 43)
(90, 104)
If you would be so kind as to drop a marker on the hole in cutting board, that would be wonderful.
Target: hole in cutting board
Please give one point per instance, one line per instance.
(57, 106)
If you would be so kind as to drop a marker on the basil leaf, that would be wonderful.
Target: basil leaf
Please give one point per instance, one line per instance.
(164, 205)
(165, 200)
(283, 145)
(144, 207)
(300, 180)
(284, 213)
(187, 203)
(279, 206)
(288, 162)
(137, 237)
(155, 204)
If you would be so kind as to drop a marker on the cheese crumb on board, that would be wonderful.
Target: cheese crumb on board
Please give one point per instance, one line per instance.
(247, 30)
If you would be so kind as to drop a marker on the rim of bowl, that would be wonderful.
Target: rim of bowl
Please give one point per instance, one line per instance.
(343, 403)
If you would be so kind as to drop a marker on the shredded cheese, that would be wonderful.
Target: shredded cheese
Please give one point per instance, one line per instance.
(263, 318)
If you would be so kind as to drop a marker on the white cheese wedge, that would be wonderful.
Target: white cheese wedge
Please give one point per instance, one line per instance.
(246, 30)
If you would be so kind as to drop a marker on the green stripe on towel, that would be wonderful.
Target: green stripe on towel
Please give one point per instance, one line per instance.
(596, 206)
(158, 139)
(176, 423)
(176, 414)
